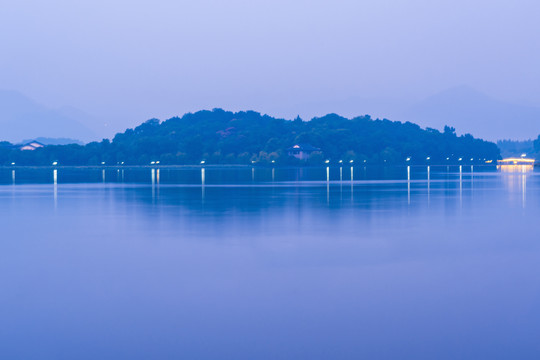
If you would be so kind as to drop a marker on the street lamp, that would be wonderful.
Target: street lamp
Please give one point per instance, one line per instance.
(202, 162)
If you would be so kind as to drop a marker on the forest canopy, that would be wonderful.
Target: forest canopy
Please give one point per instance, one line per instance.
(246, 137)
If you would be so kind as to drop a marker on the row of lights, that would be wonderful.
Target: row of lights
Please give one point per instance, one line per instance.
(273, 161)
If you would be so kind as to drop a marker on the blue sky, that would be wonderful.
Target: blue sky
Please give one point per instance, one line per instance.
(126, 61)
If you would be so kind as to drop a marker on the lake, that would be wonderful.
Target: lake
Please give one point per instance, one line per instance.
(261, 263)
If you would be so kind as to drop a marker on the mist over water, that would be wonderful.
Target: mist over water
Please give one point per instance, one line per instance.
(269, 263)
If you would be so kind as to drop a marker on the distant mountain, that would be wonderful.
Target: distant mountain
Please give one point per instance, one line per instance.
(23, 118)
(53, 141)
(470, 111)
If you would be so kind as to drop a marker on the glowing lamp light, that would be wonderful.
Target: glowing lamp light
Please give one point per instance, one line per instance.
(55, 163)
(428, 158)
(12, 163)
(340, 161)
(157, 162)
(472, 159)
(351, 161)
(152, 163)
(523, 155)
(365, 161)
(460, 159)
(202, 162)
(103, 163)
(447, 158)
(273, 161)
(122, 163)
(327, 161)
(408, 159)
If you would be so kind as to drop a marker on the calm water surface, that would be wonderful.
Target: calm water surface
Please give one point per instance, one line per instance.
(269, 264)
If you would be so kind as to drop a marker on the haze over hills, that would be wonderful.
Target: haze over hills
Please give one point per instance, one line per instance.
(470, 111)
(461, 107)
(464, 108)
(23, 118)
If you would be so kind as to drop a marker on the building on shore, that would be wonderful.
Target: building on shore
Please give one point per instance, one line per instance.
(32, 145)
(303, 151)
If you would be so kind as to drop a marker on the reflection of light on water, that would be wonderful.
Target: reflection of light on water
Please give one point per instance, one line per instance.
(153, 172)
(408, 184)
(352, 185)
(13, 176)
(327, 184)
(512, 168)
(460, 185)
(428, 183)
(516, 178)
(203, 182)
(523, 189)
(55, 182)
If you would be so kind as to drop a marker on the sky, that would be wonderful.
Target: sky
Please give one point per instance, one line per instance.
(127, 61)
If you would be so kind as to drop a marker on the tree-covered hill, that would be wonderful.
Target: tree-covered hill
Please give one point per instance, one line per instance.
(222, 137)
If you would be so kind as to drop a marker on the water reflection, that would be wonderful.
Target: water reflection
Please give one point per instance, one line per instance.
(255, 254)
(409, 185)
(460, 185)
(515, 177)
(515, 168)
(428, 183)
(203, 182)
(55, 187)
(523, 189)
(155, 182)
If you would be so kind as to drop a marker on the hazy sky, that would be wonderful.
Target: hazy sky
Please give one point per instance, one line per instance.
(126, 61)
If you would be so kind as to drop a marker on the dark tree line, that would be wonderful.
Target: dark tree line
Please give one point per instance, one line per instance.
(222, 137)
